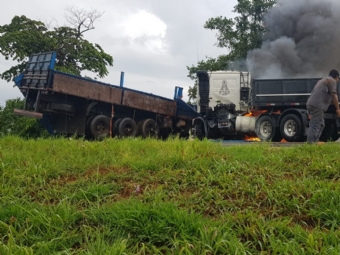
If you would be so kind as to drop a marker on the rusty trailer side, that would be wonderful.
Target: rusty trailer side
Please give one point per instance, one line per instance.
(91, 90)
(87, 89)
(149, 103)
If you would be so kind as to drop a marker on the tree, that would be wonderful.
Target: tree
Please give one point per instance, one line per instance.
(24, 37)
(238, 35)
(82, 20)
(11, 124)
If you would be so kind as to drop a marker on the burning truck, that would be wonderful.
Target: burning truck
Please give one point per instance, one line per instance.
(232, 105)
(299, 41)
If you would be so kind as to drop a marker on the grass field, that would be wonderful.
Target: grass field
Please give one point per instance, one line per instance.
(61, 196)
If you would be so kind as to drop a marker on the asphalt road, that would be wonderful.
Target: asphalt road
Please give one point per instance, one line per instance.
(274, 144)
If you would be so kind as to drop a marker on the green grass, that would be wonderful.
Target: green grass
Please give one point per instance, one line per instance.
(60, 196)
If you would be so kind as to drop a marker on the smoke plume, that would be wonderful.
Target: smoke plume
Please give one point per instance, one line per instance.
(302, 40)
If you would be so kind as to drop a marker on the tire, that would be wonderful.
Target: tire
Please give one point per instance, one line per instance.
(139, 128)
(148, 128)
(88, 132)
(199, 131)
(127, 128)
(291, 128)
(115, 127)
(100, 127)
(265, 128)
(330, 132)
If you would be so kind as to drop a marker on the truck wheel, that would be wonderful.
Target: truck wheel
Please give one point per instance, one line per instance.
(100, 126)
(265, 128)
(139, 128)
(88, 133)
(198, 131)
(127, 127)
(291, 128)
(148, 128)
(115, 127)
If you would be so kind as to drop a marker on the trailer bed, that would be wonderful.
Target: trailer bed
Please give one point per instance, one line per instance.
(41, 76)
(92, 90)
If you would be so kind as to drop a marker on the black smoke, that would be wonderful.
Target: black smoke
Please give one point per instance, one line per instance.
(302, 40)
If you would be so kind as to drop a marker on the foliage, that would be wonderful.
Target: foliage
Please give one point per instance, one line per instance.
(11, 124)
(61, 196)
(238, 35)
(24, 37)
(245, 31)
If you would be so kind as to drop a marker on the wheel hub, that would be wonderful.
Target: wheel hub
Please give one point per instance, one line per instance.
(290, 128)
(266, 129)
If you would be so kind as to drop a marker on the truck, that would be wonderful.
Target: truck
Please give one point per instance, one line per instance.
(71, 105)
(232, 105)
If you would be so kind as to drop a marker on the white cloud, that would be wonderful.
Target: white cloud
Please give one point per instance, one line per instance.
(145, 30)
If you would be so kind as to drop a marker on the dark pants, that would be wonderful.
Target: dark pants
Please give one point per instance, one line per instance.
(316, 124)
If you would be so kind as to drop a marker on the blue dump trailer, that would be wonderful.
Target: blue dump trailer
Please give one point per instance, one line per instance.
(72, 105)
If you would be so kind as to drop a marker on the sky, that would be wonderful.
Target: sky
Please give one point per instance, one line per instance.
(151, 41)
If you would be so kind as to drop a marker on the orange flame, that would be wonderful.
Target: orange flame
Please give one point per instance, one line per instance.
(252, 138)
(256, 113)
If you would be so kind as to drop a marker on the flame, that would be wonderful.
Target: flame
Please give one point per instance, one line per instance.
(256, 113)
(256, 139)
(252, 138)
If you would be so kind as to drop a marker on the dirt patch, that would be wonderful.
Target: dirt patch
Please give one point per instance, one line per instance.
(105, 171)
(72, 178)
(131, 189)
(62, 180)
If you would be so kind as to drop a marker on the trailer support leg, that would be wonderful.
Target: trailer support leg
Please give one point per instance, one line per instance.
(25, 105)
(37, 102)
(111, 120)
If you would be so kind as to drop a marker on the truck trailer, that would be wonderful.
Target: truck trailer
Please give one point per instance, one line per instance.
(72, 105)
(232, 105)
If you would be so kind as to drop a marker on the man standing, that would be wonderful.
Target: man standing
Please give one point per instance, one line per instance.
(323, 94)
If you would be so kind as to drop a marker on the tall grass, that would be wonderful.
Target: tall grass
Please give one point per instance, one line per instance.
(60, 196)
